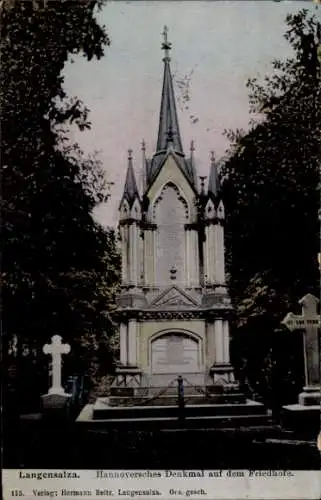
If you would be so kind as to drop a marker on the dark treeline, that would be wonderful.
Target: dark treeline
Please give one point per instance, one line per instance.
(60, 268)
(272, 202)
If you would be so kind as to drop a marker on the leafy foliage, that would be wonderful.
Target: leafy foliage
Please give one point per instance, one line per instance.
(60, 267)
(271, 195)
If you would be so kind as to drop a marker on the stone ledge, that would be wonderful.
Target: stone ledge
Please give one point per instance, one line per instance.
(309, 398)
(104, 411)
(171, 399)
(210, 422)
(55, 401)
(301, 418)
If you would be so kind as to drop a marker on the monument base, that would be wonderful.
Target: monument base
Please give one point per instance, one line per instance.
(203, 406)
(304, 417)
(194, 416)
(310, 396)
(223, 374)
(304, 420)
(56, 404)
(127, 377)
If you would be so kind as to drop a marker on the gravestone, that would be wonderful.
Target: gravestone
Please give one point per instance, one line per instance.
(56, 399)
(309, 322)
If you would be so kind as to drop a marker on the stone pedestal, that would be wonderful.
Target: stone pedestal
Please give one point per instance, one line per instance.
(304, 420)
(310, 396)
(56, 405)
(222, 374)
(304, 417)
(126, 380)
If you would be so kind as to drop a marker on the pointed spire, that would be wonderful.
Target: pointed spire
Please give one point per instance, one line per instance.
(202, 186)
(130, 189)
(192, 162)
(168, 130)
(166, 45)
(214, 180)
(144, 166)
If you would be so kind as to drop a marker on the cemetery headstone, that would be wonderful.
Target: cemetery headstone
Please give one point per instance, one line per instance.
(56, 400)
(309, 322)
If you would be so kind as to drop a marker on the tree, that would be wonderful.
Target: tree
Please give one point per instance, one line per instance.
(60, 268)
(270, 192)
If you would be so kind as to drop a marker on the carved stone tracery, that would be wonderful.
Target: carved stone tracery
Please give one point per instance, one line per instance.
(170, 185)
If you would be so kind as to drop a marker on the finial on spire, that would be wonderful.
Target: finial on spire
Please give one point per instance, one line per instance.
(202, 179)
(130, 188)
(144, 170)
(192, 166)
(166, 45)
(214, 180)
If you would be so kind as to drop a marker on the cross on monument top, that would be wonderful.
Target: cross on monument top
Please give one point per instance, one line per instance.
(309, 305)
(56, 349)
(56, 346)
(166, 45)
(309, 322)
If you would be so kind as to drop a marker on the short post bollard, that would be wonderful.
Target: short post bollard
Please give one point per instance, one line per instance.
(181, 402)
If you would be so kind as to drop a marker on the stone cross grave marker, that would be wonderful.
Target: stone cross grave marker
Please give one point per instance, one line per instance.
(309, 321)
(56, 349)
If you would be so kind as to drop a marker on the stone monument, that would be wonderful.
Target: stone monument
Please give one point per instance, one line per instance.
(56, 398)
(309, 321)
(174, 306)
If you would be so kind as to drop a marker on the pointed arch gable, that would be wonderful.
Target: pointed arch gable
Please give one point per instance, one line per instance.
(171, 172)
(180, 197)
(170, 214)
(221, 210)
(210, 211)
(124, 209)
(136, 209)
(175, 291)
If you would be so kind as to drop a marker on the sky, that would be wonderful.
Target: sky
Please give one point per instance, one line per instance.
(217, 44)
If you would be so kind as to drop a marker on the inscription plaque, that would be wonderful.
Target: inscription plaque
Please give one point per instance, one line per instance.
(175, 354)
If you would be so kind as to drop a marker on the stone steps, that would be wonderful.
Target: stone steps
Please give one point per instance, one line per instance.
(172, 400)
(154, 390)
(172, 422)
(190, 379)
(102, 410)
(189, 390)
(172, 391)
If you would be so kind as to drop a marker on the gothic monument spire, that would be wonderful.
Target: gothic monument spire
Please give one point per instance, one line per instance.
(214, 180)
(173, 307)
(168, 130)
(130, 188)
